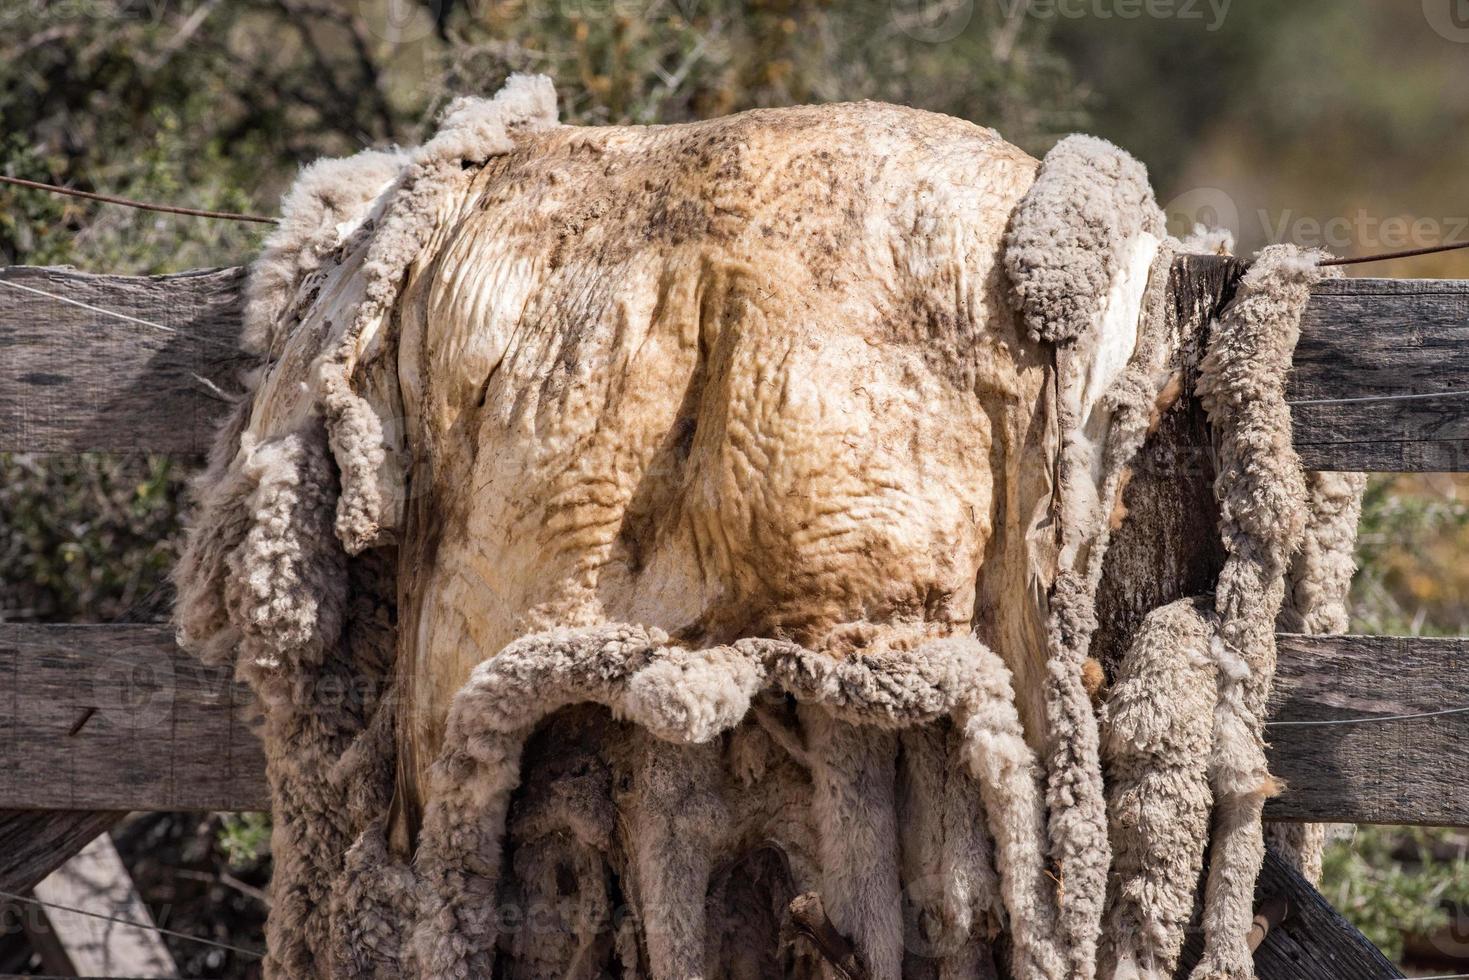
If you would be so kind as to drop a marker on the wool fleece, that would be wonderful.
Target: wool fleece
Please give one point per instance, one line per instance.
(629, 529)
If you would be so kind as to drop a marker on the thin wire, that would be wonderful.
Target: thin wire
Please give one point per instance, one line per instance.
(1380, 398)
(128, 922)
(1369, 720)
(140, 205)
(87, 306)
(1405, 254)
(130, 319)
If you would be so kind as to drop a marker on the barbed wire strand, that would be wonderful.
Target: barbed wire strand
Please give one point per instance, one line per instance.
(136, 925)
(37, 185)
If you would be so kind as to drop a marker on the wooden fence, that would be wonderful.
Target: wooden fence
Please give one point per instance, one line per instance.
(96, 720)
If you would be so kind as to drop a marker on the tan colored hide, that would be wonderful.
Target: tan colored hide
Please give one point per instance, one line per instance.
(749, 377)
(701, 423)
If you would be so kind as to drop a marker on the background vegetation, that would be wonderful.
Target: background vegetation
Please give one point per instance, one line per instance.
(1318, 121)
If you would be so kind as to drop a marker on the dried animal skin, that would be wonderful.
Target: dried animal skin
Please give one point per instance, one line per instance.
(792, 442)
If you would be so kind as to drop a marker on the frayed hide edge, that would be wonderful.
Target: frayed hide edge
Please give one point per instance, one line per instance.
(1088, 268)
(1264, 510)
(689, 697)
(263, 580)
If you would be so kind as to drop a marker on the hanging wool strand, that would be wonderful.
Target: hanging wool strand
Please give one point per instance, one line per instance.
(676, 520)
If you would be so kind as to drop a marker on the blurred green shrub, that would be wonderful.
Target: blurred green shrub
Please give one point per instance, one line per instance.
(1412, 577)
(216, 104)
(87, 538)
(244, 838)
(1391, 882)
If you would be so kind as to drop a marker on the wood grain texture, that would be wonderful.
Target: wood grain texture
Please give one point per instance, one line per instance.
(96, 880)
(1377, 772)
(34, 843)
(117, 717)
(170, 734)
(1313, 943)
(73, 378)
(1168, 547)
(1381, 379)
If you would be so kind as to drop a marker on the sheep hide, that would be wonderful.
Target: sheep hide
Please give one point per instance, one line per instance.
(628, 529)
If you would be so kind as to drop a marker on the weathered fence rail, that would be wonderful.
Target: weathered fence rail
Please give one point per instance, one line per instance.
(116, 363)
(1381, 380)
(99, 720)
(116, 718)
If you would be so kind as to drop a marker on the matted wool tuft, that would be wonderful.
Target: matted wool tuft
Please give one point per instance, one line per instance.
(612, 795)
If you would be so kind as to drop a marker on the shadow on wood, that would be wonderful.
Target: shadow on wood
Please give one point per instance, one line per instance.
(96, 881)
(1313, 943)
(34, 843)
